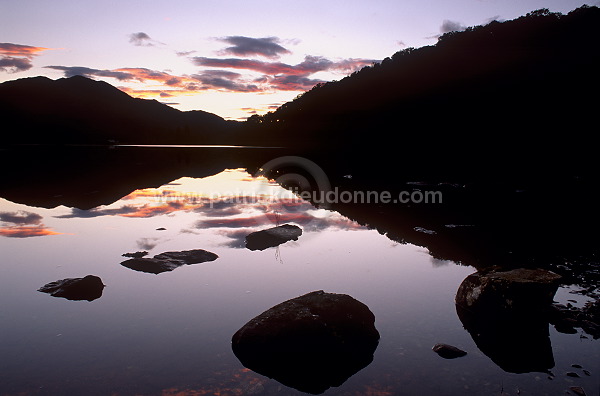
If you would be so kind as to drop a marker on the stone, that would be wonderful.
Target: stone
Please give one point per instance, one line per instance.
(87, 288)
(168, 261)
(448, 351)
(309, 343)
(271, 237)
(507, 314)
(515, 290)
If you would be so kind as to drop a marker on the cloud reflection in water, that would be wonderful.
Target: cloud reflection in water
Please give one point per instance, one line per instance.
(232, 203)
(23, 224)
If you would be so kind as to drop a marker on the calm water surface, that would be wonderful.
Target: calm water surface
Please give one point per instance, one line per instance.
(170, 334)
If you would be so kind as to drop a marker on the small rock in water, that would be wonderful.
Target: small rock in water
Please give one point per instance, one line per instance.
(161, 229)
(576, 365)
(272, 237)
(168, 261)
(135, 255)
(578, 390)
(572, 374)
(87, 288)
(448, 351)
(586, 372)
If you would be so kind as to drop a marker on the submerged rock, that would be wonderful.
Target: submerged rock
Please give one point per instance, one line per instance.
(448, 351)
(309, 343)
(87, 288)
(507, 315)
(271, 237)
(169, 261)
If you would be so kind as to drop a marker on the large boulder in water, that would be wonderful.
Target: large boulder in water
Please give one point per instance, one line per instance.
(309, 343)
(271, 237)
(509, 291)
(168, 261)
(87, 288)
(507, 314)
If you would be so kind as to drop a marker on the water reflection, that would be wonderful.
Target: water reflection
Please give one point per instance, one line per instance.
(23, 224)
(124, 201)
(310, 343)
(84, 177)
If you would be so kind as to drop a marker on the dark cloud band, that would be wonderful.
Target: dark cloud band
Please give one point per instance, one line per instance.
(13, 65)
(247, 46)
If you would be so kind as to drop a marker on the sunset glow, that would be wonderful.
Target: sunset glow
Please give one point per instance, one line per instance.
(235, 59)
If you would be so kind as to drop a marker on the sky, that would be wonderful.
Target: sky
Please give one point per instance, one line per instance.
(233, 58)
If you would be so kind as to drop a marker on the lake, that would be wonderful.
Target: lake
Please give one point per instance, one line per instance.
(68, 214)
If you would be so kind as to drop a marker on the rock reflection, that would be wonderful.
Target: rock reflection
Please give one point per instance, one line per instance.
(272, 237)
(87, 288)
(309, 343)
(169, 261)
(506, 313)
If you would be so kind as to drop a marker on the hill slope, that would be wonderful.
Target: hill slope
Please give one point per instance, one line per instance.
(81, 110)
(509, 94)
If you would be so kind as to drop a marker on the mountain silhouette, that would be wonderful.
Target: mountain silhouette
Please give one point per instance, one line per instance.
(508, 95)
(507, 98)
(78, 110)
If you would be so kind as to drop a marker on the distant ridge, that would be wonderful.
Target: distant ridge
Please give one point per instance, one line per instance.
(78, 110)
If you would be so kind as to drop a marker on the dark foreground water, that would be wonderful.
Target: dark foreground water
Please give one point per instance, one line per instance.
(170, 333)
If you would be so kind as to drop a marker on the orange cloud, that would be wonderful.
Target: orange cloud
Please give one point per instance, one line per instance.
(276, 76)
(27, 232)
(23, 224)
(27, 51)
(283, 77)
(149, 193)
(151, 211)
(16, 57)
(143, 74)
(310, 65)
